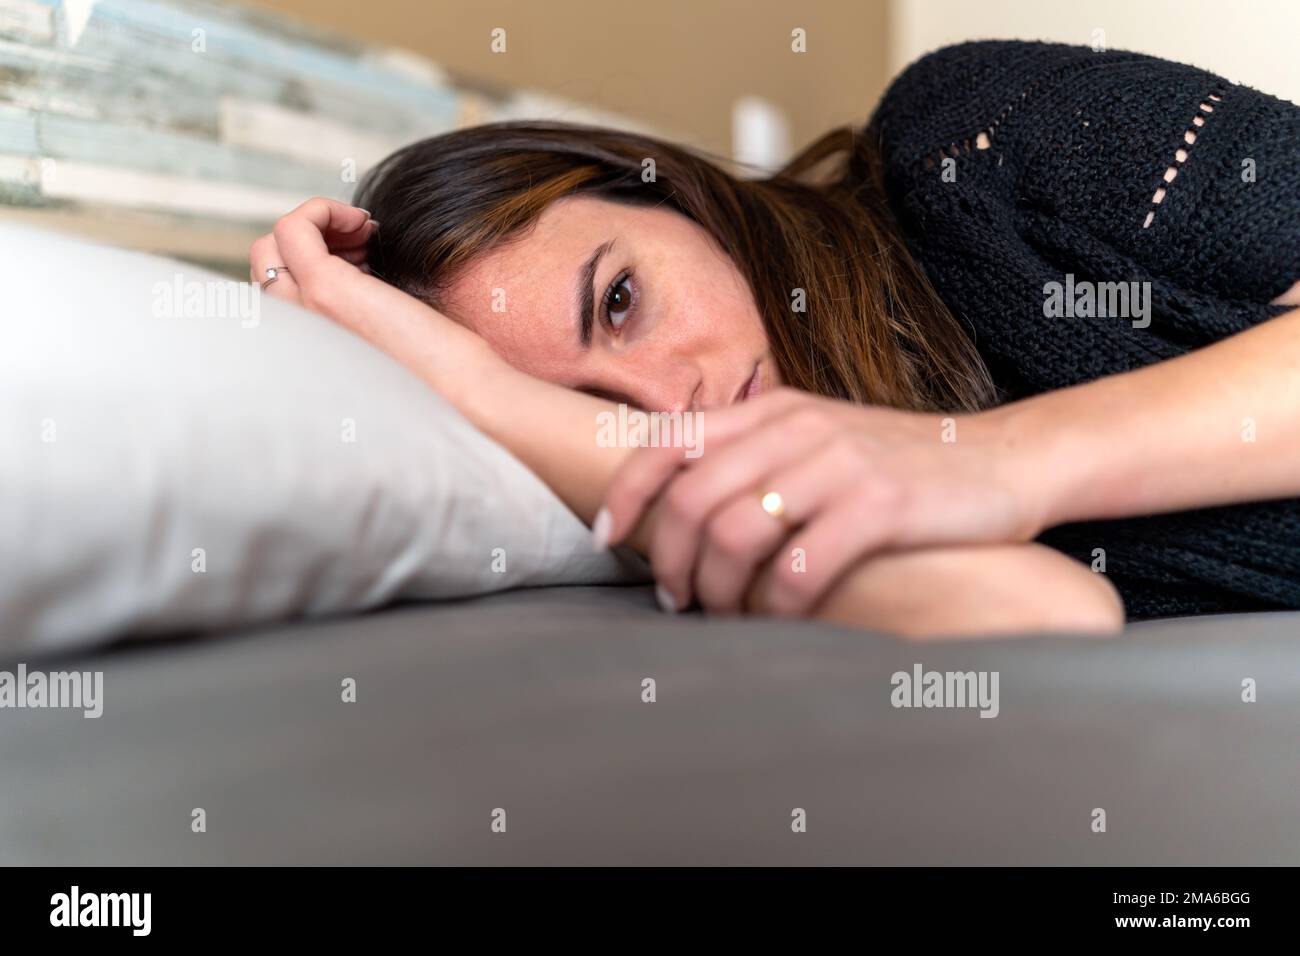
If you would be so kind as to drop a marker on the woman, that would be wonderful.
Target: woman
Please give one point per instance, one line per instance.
(1020, 350)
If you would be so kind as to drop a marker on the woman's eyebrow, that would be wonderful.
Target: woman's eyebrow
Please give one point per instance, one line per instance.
(587, 293)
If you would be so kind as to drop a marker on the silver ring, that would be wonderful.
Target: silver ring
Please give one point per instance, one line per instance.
(273, 273)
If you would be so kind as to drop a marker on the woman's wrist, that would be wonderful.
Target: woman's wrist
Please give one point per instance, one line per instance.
(1044, 454)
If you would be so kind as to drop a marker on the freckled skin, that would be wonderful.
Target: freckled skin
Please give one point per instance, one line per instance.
(691, 340)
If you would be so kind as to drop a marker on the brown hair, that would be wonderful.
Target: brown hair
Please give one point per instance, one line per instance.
(873, 329)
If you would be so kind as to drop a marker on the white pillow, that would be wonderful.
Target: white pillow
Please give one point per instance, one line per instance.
(203, 460)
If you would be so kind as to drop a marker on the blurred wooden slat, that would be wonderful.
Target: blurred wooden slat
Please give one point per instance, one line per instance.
(195, 124)
(221, 246)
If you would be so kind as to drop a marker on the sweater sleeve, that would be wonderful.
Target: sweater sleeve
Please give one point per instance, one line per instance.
(1021, 171)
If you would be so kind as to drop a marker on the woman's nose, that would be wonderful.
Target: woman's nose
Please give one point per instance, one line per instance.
(674, 391)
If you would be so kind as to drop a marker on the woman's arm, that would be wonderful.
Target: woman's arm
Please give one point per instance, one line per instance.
(946, 592)
(1219, 425)
(1216, 426)
(974, 591)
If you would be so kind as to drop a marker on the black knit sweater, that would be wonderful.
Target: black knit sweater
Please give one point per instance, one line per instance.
(1057, 153)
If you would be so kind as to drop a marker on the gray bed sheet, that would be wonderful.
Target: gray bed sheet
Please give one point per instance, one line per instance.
(531, 703)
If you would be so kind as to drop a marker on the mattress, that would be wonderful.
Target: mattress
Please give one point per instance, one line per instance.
(584, 726)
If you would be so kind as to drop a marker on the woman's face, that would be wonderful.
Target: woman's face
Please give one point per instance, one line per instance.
(631, 303)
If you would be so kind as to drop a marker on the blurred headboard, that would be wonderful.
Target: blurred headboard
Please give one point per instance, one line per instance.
(186, 127)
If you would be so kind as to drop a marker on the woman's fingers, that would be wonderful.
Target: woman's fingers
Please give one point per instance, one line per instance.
(786, 587)
(340, 241)
(301, 235)
(260, 254)
(696, 493)
(355, 256)
(645, 474)
(317, 229)
(741, 537)
(264, 254)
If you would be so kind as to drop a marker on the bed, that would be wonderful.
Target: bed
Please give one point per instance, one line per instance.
(527, 707)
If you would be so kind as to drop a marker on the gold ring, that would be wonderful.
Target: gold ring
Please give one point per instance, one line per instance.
(772, 503)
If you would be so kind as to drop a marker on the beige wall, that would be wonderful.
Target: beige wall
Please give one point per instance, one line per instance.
(1247, 41)
(680, 65)
(676, 64)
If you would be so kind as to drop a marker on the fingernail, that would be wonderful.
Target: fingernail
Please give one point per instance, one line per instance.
(373, 222)
(665, 599)
(600, 529)
(366, 211)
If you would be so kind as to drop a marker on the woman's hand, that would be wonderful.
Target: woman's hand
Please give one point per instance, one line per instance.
(323, 245)
(853, 481)
(318, 231)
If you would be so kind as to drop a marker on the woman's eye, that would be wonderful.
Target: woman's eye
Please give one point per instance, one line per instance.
(618, 301)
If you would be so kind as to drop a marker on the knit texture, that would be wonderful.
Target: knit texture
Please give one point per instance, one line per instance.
(1056, 154)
